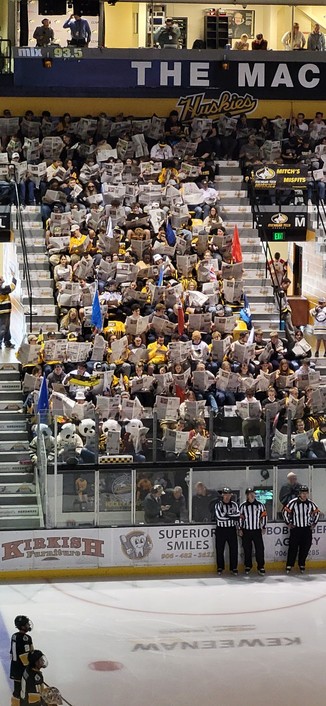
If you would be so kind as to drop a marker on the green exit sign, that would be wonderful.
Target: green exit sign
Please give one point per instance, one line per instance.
(279, 235)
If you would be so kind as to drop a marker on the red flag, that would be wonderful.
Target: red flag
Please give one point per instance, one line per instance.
(236, 251)
(181, 319)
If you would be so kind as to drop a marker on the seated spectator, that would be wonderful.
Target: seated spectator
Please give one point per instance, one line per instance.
(259, 43)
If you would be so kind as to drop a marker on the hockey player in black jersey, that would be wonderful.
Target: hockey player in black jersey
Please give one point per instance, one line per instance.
(21, 646)
(32, 683)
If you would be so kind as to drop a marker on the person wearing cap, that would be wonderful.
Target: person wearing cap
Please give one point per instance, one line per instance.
(161, 151)
(77, 244)
(227, 516)
(153, 508)
(319, 314)
(44, 35)
(290, 489)
(168, 35)
(253, 518)
(301, 515)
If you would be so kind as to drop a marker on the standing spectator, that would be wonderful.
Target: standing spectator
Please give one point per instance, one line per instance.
(286, 312)
(44, 35)
(319, 314)
(80, 30)
(294, 39)
(290, 490)
(301, 515)
(316, 40)
(201, 503)
(168, 35)
(227, 517)
(278, 269)
(5, 311)
(253, 517)
(259, 43)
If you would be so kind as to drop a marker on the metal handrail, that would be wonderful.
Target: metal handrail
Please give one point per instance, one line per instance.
(321, 212)
(269, 261)
(5, 56)
(26, 272)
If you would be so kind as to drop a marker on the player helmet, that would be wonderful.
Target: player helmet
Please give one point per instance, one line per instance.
(34, 657)
(22, 621)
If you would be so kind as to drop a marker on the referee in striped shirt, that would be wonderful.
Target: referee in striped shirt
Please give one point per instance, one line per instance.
(226, 513)
(253, 517)
(301, 514)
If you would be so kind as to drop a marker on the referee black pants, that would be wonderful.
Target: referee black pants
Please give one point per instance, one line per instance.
(300, 541)
(226, 535)
(249, 538)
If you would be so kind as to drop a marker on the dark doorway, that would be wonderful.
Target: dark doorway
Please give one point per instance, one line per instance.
(297, 270)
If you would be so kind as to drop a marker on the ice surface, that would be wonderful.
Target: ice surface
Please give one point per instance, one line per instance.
(187, 642)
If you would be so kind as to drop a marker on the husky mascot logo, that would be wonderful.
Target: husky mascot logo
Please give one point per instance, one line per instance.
(279, 218)
(265, 174)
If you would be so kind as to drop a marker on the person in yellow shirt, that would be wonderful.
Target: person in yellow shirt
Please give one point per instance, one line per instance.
(157, 352)
(78, 244)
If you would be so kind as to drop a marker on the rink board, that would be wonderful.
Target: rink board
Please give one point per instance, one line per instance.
(129, 550)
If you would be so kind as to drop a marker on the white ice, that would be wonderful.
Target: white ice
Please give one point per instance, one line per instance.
(223, 641)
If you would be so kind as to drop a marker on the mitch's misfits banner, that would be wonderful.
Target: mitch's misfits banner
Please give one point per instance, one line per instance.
(280, 176)
(181, 74)
(174, 545)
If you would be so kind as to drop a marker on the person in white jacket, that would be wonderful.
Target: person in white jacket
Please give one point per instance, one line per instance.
(294, 39)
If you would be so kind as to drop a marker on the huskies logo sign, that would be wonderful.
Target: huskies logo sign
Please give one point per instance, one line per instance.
(197, 106)
(279, 218)
(265, 174)
(136, 545)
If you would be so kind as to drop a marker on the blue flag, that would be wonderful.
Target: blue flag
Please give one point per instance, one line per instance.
(43, 400)
(245, 313)
(160, 276)
(170, 234)
(96, 313)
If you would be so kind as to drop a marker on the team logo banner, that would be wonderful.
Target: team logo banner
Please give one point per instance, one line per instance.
(280, 176)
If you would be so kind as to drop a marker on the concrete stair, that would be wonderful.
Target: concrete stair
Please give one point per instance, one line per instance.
(44, 308)
(20, 506)
(236, 210)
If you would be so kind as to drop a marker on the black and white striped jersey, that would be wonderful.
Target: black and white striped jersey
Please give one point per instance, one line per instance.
(253, 516)
(301, 513)
(227, 514)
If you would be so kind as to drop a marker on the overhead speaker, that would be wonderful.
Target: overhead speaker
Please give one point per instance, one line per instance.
(87, 7)
(52, 7)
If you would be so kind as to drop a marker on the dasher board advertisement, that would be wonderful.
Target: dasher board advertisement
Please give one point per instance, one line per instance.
(140, 546)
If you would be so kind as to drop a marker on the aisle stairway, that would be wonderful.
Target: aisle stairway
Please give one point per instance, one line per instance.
(44, 309)
(19, 497)
(236, 210)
